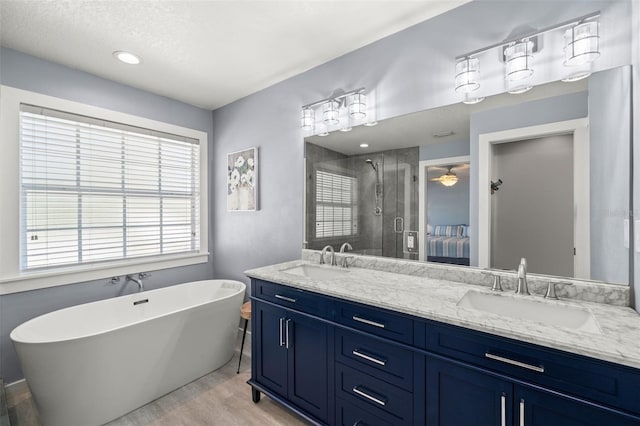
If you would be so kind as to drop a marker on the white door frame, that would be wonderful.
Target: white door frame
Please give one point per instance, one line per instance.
(579, 129)
(422, 197)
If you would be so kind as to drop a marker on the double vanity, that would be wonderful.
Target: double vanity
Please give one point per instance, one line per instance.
(403, 343)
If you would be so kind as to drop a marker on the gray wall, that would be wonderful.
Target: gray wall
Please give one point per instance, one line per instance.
(29, 73)
(609, 153)
(410, 71)
(436, 151)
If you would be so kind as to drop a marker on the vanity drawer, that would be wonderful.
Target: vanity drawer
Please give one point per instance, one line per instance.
(372, 356)
(351, 415)
(589, 378)
(290, 297)
(375, 321)
(374, 395)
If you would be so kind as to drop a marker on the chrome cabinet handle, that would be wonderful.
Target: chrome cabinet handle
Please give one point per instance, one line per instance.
(286, 325)
(368, 322)
(357, 390)
(503, 410)
(281, 327)
(357, 353)
(285, 298)
(536, 368)
(522, 412)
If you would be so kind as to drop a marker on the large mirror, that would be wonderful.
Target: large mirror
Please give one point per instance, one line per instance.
(543, 175)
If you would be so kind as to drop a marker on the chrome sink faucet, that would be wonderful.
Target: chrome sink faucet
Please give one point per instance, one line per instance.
(333, 255)
(136, 280)
(344, 260)
(522, 278)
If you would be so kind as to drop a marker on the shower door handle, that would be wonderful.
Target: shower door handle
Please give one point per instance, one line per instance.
(398, 224)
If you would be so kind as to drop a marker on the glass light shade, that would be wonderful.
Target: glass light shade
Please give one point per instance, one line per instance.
(448, 180)
(331, 113)
(358, 106)
(518, 61)
(467, 75)
(307, 119)
(582, 44)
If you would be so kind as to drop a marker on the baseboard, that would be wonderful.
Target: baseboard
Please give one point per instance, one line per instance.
(17, 384)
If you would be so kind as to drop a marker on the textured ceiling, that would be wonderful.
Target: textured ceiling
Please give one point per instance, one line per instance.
(205, 53)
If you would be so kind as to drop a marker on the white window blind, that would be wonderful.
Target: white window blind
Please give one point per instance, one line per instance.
(94, 191)
(336, 205)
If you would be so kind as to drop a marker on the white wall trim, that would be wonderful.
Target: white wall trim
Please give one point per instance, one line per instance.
(11, 279)
(579, 128)
(422, 197)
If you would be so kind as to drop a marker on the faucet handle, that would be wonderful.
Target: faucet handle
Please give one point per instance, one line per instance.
(143, 275)
(497, 286)
(551, 289)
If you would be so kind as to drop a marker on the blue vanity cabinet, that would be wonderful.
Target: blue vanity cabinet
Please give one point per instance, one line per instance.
(291, 350)
(474, 378)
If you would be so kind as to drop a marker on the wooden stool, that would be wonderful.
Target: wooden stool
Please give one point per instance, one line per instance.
(245, 313)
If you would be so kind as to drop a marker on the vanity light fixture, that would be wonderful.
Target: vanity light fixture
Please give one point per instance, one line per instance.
(352, 104)
(126, 57)
(467, 75)
(581, 48)
(582, 43)
(308, 119)
(358, 106)
(518, 57)
(330, 112)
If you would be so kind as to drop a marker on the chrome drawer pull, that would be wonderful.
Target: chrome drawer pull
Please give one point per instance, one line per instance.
(286, 325)
(536, 368)
(368, 322)
(503, 410)
(285, 298)
(356, 352)
(281, 321)
(522, 412)
(369, 397)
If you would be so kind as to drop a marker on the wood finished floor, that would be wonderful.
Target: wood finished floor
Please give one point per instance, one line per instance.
(219, 398)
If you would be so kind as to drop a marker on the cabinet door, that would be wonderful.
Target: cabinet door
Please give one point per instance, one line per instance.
(460, 396)
(539, 408)
(308, 342)
(270, 351)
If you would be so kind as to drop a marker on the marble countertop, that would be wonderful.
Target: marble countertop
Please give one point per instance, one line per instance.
(437, 299)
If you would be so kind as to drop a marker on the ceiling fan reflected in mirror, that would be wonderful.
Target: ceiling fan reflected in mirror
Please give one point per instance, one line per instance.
(447, 179)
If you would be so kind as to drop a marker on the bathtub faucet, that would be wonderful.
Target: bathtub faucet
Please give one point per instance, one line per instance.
(136, 280)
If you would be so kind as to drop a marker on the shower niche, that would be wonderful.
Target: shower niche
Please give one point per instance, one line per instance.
(368, 200)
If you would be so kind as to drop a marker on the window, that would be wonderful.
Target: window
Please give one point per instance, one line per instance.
(336, 205)
(94, 191)
(89, 193)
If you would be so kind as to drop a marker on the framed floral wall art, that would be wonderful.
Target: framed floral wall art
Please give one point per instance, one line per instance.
(242, 180)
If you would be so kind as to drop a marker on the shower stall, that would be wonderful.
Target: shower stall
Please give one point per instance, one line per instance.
(370, 201)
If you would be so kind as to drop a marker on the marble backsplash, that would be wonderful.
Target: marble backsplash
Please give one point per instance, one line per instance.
(588, 291)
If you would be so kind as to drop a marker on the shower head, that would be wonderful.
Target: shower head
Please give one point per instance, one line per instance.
(370, 162)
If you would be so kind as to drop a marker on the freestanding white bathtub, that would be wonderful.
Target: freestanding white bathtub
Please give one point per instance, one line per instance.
(91, 363)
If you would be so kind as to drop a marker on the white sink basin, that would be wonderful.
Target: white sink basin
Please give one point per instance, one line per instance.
(316, 272)
(532, 310)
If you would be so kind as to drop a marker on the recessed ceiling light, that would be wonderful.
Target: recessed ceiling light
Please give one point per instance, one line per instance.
(346, 129)
(126, 57)
(364, 145)
(323, 134)
(371, 123)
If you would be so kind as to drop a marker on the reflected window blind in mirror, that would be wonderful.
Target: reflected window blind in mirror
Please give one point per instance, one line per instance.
(336, 205)
(94, 191)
